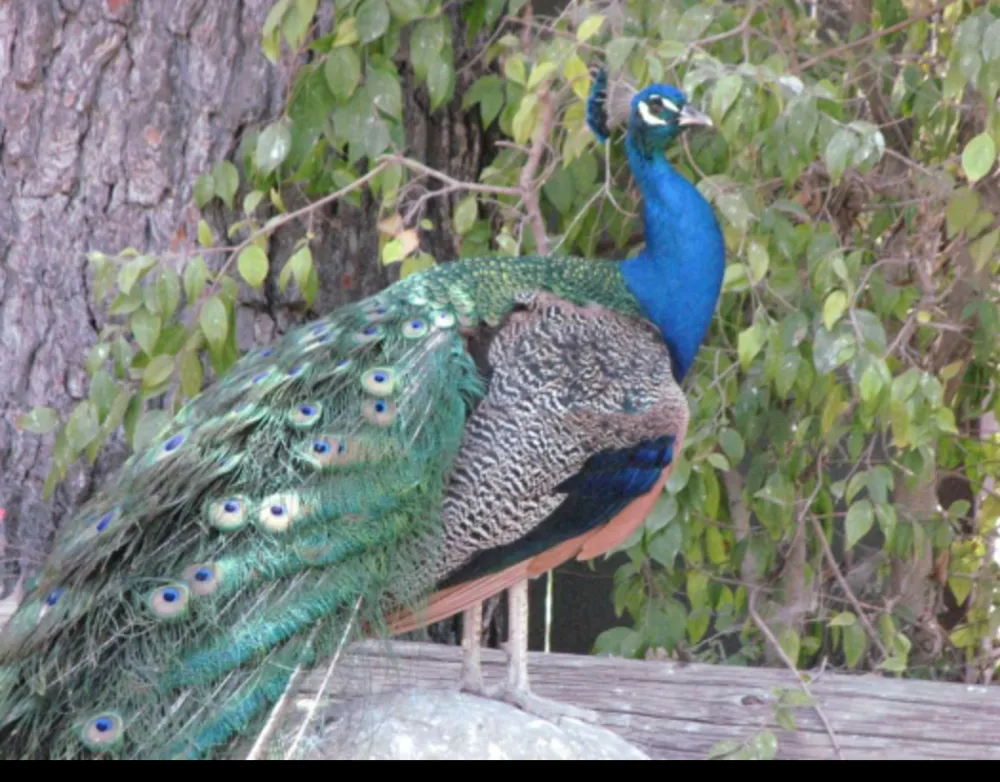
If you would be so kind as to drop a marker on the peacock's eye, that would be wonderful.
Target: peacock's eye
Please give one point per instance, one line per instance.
(656, 105)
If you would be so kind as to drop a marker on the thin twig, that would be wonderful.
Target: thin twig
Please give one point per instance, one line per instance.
(454, 184)
(526, 182)
(874, 36)
(740, 29)
(275, 223)
(762, 626)
(831, 560)
(314, 705)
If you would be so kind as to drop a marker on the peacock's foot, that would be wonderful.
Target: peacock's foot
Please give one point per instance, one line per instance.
(516, 690)
(544, 708)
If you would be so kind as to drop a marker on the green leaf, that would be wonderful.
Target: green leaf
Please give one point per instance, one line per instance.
(122, 353)
(195, 276)
(834, 306)
(301, 264)
(735, 279)
(384, 89)
(116, 413)
(427, 42)
(372, 19)
(488, 92)
(790, 643)
(96, 357)
(860, 517)
(763, 746)
(192, 374)
(795, 698)
(271, 46)
(253, 265)
(715, 546)
(854, 641)
(342, 71)
(274, 17)
(524, 120)
(296, 22)
(252, 201)
(727, 749)
(157, 371)
(961, 588)
(132, 272)
(146, 328)
(983, 249)
(439, 81)
(575, 72)
(727, 90)
(273, 146)
(204, 234)
(749, 344)
(618, 642)
(392, 252)
(618, 51)
(945, 419)
(41, 420)
(893, 665)
(82, 426)
(204, 190)
(589, 27)
(759, 261)
(415, 263)
(214, 322)
(732, 444)
(347, 33)
(785, 719)
(168, 292)
(961, 210)
(406, 10)
(465, 214)
(539, 73)
(839, 151)
(979, 156)
(734, 208)
(514, 69)
(843, 619)
(719, 462)
(227, 182)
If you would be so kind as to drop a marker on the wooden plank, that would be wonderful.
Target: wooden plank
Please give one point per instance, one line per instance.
(675, 711)
(678, 711)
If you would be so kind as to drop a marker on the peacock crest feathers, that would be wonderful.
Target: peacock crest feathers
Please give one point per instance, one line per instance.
(608, 104)
(234, 548)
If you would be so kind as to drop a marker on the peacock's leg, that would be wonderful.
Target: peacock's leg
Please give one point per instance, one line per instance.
(472, 632)
(518, 689)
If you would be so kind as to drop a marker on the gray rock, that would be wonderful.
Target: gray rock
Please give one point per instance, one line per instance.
(444, 725)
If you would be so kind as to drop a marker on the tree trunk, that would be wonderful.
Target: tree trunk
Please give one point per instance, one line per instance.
(109, 111)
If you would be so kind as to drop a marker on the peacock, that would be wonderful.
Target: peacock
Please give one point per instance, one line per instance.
(390, 465)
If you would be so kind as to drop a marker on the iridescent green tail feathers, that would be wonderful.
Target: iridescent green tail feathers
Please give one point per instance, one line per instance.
(298, 497)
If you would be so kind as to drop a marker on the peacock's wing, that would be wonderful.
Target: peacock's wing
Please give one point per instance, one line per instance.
(565, 455)
(306, 487)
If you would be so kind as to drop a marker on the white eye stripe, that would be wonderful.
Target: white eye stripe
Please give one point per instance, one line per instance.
(647, 116)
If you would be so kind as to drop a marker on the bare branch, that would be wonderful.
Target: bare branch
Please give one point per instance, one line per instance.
(526, 182)
(762, 626)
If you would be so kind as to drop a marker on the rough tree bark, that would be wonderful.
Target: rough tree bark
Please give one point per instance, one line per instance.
(109, 110)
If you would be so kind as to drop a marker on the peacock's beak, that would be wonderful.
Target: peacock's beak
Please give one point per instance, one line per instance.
(690, 116)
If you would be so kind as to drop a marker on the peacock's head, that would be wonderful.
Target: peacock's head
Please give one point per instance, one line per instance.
(654, 116)
(659, 114)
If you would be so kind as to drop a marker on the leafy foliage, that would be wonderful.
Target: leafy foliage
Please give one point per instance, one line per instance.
(854, 359)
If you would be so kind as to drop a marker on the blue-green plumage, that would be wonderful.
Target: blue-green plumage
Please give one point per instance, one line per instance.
(350, 469)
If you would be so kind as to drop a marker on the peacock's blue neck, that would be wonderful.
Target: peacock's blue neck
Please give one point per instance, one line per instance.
(678, 275)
